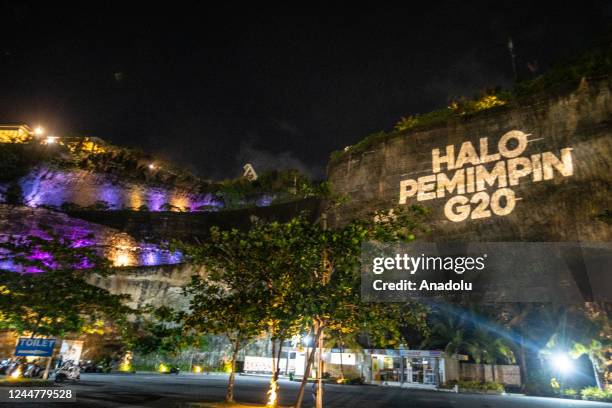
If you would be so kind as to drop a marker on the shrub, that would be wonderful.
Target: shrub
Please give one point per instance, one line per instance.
(570, 393)
(99, 205)
(595, 394)
(480, 386)
(68, 206)
(354, 380)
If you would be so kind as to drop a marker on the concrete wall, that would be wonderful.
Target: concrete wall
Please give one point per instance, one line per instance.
(564, 208)
(504, 374)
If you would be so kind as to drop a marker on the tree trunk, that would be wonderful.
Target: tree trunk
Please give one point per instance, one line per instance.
(319, 401)
(300, 396)
(523, 362)
(482, 370)
(274, 361)
(493, 371)
(278, 357)
(273, 388)
(229, 396)
(598, 375)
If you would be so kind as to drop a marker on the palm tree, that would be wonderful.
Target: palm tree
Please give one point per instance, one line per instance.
(448, 332)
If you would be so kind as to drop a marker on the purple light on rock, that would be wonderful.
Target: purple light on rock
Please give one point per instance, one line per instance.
(111, 195)
(156, 198)
(264, 201)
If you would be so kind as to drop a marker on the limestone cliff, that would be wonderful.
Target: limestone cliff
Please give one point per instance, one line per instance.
(555, 188)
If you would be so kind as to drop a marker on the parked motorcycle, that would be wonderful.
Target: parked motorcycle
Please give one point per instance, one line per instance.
(15, 369)
(34, 370)
(68, 371)
(4, 365)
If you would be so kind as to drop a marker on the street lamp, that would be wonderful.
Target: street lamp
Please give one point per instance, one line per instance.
(49, 140)
(562, 363)
(39, 131)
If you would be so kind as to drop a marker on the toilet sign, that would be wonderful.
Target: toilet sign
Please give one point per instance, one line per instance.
(27, 346)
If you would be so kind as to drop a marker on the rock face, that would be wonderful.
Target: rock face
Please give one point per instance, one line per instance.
(120, 248)
(152, 285)
(49, 187)
(540, 171)
(148, 274)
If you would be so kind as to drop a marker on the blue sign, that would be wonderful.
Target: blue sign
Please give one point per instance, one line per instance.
(27, 346)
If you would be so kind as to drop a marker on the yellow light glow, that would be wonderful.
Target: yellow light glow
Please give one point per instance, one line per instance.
(273, 394)
(152, 166)
(51, 140)
(163, 368)
(39, 131)
(179, 202)
(16, 373)
(126, 362)
(197, 369)
(135, 199)
(122, 259)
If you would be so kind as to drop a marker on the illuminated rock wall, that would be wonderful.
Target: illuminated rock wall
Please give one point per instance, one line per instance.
(151, 285)
(44, 186)
(119, 247)
(555, 186)
(149, 274)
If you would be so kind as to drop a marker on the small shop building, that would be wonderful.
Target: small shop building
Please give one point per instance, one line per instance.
(401, 367)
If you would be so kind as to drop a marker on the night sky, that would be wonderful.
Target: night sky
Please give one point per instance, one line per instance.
(213, 88)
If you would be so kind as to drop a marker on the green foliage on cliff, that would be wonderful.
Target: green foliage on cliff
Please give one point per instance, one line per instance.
(594, 63)
(275, 185)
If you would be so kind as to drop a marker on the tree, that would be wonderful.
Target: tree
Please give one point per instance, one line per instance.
(333, 282)
(158, 332)
(45, 292)
(463, 332)
(283, 278)
(259, 268)
(584, 331)
(447, 332)
(219, 306)
(486, 348)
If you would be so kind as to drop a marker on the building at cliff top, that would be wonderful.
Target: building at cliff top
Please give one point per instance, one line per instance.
(18, 133)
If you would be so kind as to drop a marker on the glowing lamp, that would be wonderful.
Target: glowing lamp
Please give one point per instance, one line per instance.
(562, 363)
(51, 140)
(39, 131)
(16, 373)
(197, 369)
(152, 166)
(122, 260)
(163, 368)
